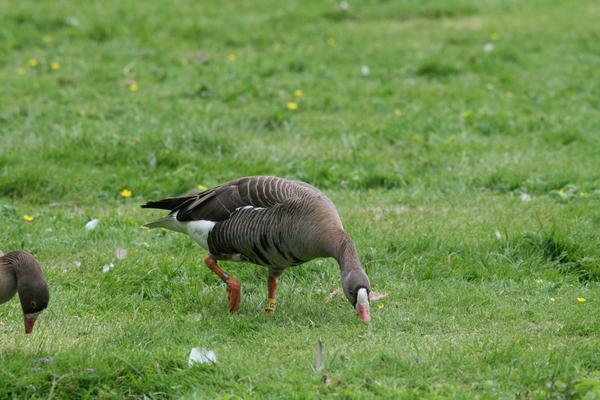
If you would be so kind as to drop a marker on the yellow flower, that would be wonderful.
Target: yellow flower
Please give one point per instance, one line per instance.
(134, 87)
(494, 36)
(21, 71)
(292, 106)
(126, 193)
(380, 306)
(33, 62)
(331, 42)
(539, 281)
(28, 218)
(581, 300)
(552, 299)
(55, 66)
(202, 187)
(562, 193)
(584, 194)
(47, 39)
(232, 57)
(467, 114)
(298, 93)
(397, 113)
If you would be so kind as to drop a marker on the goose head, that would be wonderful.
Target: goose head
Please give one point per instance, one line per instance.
(34, 297)
(357, 289)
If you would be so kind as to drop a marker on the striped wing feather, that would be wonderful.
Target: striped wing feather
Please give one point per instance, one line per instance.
(262, 235)
(219, 203)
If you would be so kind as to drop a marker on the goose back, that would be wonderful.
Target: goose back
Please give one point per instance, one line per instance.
(218, 203)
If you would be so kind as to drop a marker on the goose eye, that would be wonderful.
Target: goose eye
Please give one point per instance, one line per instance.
(33, 304)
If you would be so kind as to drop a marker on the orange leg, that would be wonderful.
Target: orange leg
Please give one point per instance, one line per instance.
(271, 303)
(233, 285)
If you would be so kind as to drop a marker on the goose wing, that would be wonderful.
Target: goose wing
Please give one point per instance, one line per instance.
(218, 204)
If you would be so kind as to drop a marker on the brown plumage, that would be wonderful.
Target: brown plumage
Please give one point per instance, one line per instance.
(267, 221)
(20, 273)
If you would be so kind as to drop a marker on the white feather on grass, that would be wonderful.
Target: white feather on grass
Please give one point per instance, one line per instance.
(201, 356)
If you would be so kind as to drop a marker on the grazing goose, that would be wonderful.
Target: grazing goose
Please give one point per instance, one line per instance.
(267, 221)
(20, 272)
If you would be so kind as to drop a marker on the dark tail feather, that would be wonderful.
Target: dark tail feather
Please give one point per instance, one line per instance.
(170, 203)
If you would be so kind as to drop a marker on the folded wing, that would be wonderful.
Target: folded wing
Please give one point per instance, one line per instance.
(219, 203)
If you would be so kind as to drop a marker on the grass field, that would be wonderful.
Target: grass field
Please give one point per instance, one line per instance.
(459, 139)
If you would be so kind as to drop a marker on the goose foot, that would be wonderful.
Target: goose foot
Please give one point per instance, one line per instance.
(233, 294)
(270, 309)
(233, 285)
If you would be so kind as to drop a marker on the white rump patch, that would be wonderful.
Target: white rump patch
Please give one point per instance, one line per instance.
(199, 230)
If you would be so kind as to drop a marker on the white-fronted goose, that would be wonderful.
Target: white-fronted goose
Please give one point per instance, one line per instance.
(21, 273)
(267, 221)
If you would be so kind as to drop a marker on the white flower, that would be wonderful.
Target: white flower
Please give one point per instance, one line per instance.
(364, 70)
(107, 267)
(488, 47)
(92, 224)
(344, 5)
(201, 356)
(498, 235)
(525, 197)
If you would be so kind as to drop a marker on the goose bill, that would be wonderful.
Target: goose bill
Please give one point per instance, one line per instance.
(29, 322)
(364, 313)
(362, 305)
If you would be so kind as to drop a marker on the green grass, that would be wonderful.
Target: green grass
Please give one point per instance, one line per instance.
(427, 157)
